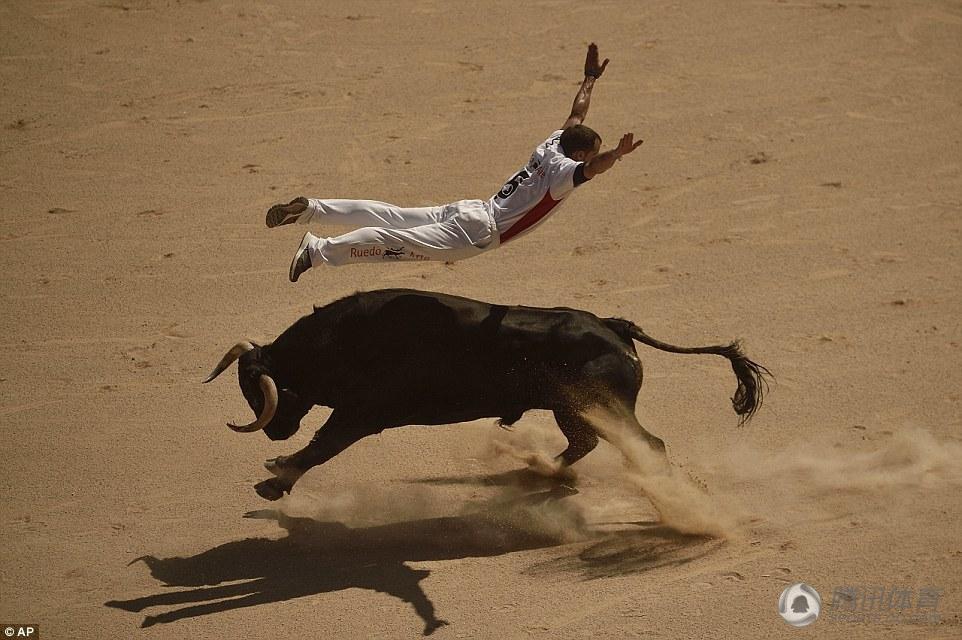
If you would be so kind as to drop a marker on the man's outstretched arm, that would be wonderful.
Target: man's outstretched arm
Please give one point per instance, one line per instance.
(593, 71)
(605, 160)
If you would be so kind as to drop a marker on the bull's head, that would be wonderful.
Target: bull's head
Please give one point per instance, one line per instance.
(278, 413)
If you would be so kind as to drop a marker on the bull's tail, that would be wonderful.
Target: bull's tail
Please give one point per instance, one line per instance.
(752, 383)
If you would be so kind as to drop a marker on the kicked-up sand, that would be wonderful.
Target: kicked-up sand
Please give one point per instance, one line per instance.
(799, 188)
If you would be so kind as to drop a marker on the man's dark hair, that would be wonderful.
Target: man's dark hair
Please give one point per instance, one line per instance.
(578, 138)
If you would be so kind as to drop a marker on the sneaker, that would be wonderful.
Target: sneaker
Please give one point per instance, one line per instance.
(302, 258)
(281, 214)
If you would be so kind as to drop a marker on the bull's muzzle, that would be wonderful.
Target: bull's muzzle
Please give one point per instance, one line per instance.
(268, 389)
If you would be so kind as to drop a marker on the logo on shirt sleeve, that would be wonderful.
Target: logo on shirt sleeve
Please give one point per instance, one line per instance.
(512, 185)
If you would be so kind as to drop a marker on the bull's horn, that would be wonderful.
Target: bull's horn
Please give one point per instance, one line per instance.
(233, 354)
(269, 389)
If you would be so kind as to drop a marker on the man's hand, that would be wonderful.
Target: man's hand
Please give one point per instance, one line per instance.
(605, 160)
(626, 145)
(592, 68)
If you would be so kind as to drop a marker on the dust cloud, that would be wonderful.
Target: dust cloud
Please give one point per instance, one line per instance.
(910, 457)
(681, 504)
(792, 480)
(365, 505)
(623, 482)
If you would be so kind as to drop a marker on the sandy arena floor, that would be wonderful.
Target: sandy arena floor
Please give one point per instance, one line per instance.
(800, 188)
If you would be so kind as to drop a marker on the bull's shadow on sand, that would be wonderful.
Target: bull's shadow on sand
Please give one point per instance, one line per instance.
(320, 557)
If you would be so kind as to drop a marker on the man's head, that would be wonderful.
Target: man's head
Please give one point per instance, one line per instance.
(580, 143)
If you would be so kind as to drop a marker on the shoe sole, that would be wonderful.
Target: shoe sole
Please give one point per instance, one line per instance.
(281, 214)
(297, 258)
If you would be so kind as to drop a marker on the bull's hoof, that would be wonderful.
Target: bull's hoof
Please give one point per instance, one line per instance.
(433, 625)
(272, 489)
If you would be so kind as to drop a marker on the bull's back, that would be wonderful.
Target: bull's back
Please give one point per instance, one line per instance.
(434, 333)
(413, 347)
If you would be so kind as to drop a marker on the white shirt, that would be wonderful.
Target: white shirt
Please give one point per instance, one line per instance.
(533, 193)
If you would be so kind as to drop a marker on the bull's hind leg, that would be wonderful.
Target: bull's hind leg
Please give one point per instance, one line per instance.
(619, 426)
(653, 441)
(582, 437)
(614, 382)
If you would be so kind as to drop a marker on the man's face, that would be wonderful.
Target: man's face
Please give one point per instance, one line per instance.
(587, 156)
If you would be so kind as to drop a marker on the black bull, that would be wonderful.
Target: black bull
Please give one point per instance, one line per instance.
(397, 357)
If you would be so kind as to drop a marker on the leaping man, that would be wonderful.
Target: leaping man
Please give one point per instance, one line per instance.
(569, 157)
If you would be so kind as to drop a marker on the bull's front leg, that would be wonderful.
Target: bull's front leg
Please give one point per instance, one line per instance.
(334, 437)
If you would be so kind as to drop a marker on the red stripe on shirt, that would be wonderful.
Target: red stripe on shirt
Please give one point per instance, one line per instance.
(531, 218)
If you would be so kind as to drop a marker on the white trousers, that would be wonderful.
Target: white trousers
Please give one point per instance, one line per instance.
(448, 232)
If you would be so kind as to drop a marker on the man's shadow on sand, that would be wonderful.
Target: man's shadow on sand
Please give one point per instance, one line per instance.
(320, 557)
